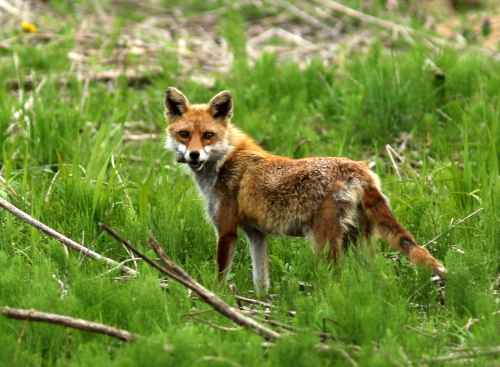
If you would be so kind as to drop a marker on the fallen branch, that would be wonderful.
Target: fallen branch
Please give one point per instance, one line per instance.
(388, 357)
(333, 5)
(176, 273)
(134, 78)
(211, 298)
(263, 304)
(322, 335)
(389, 151)
(254, 301)
(302, 142)
(9, 8)
(341, 351)
(276, 324)
(74, 323)
(64, 240)
(306, 17)
(68, 321)
(223, 328)
(20, 339)
(190, 314)
(427, 335)
(217, 359)
(469, 354)
(453, 226)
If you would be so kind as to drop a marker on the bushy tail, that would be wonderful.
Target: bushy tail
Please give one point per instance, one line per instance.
(378, 212)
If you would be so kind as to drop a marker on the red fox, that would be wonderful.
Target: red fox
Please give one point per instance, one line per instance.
(331, 201)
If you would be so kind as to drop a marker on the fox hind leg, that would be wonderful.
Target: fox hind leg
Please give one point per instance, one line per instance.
(260, 258)
(327, 231)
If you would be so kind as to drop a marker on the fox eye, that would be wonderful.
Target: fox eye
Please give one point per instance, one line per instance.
(208, 136)
(184, 134)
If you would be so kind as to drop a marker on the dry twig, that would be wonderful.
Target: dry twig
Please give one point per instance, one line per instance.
(263, 304)
(306, 17)
(453, 226)
(208, 322)
(346, 355)
(322, 335)
(411, 328)
(468, 354)
(64, 240)
(72, 322)
(218, 359)
(190, 314)
(333, 5)
(390, 151)
(177, 273)
(23, 333)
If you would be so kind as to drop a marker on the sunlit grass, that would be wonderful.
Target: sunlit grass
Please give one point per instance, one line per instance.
(67, 161)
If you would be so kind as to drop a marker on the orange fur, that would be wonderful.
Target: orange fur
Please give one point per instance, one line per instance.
(330, 200)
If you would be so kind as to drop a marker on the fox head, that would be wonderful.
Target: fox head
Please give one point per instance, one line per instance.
(197, 133)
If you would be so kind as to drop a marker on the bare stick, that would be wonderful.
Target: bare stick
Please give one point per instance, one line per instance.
(50, 186)
(389, 148)
(403, 160)
(276, 323)
(224, 328)
(64, 240)
(376, 21)
(254, 301)
(306, 17)
(217, 359)
(97, 234)
(432, 336)
(263, 304)
(453, 226)
(323, 335)
(85, 93)
(120, 180)
(211, 298)
(176, 273)
(72, 322)
(9, 8)
(233, 289)
(134, 250)
(117, 267)
(389, 151)
(388, 357)
(293, 37)
(44, 166)
(466, 354)
(346, 355)
(302, 142)
(21, 337)
(405, 358)
(197, 313)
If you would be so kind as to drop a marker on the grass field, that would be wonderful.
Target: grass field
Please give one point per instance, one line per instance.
(79, 151)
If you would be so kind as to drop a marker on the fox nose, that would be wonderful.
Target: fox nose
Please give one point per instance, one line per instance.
(194, 155)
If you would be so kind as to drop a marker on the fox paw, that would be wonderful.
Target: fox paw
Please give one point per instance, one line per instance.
(439, 271)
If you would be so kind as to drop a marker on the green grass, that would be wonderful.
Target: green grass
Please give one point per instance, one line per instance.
(351, 109)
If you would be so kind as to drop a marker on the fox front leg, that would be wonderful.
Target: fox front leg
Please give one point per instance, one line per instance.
(226, 247)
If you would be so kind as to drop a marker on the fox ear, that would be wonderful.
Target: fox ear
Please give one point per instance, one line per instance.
(221, 106)
(176, 104)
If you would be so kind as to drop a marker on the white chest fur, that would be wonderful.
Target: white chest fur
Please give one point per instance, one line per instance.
(205, 180)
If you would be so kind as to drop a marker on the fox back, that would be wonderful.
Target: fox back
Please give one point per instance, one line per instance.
(332, 201)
